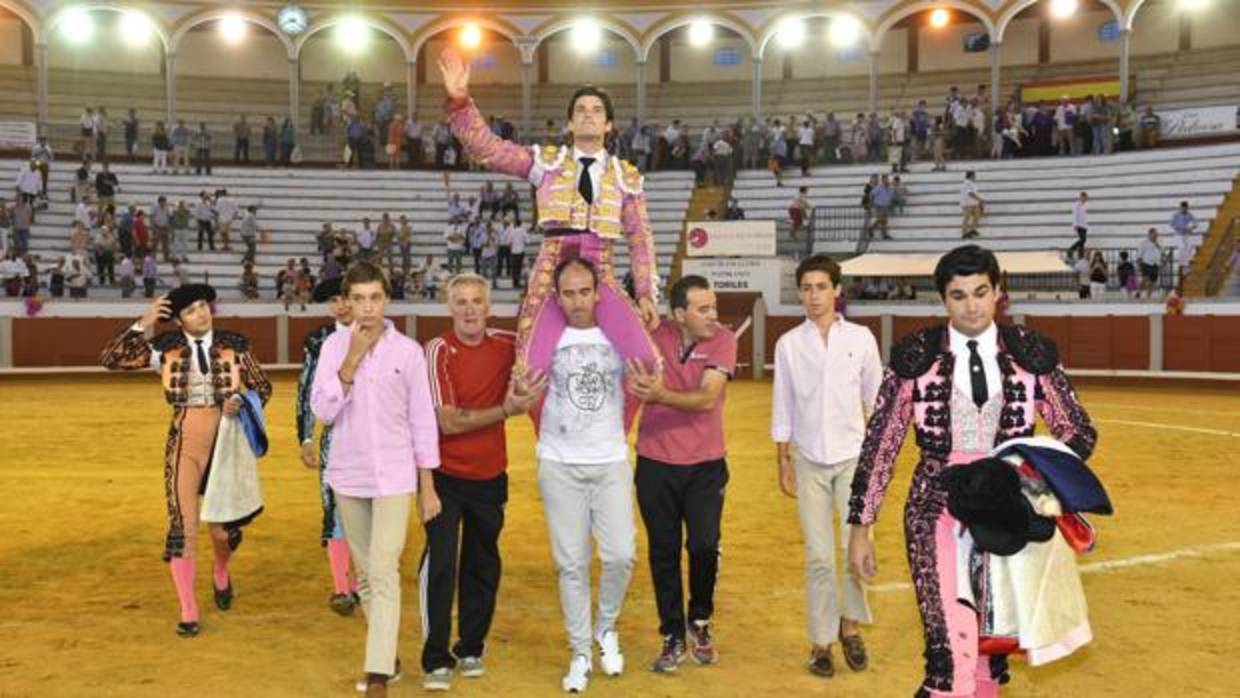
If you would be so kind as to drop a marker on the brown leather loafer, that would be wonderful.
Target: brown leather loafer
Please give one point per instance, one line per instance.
(820, 662)
(854, 652)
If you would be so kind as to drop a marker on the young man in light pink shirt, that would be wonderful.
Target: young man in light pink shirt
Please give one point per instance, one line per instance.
(827, 373)
(681, 471)
(372, 387)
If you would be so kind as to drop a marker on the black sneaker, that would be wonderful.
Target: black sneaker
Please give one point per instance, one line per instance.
(223, 597)
(343, 604)
(188, 629)
(820, 662)
(671, 657)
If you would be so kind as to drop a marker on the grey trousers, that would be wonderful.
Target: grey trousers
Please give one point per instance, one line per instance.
(375, 531)
(580, 502)
(822, 495)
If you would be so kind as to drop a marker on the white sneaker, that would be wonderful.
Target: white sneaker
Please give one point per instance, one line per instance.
(578, 675)
(471, 667)
(610, 655)
(438, 680)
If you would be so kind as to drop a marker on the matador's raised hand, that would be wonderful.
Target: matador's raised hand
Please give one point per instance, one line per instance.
(455, 73)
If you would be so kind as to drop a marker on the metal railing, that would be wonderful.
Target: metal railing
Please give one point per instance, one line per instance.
(1219, 270)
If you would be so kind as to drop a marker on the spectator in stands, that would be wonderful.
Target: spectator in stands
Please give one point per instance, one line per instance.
(1101, 120)
(77, 275)
(881, 197)
(43, 157)
(1097, 275)
(798, 210)
(130, 125)
(150, 274)
(490, 253)
(82, 183)
(721, 161)
(366, 240)
(778, 148)
(455, 242)
(204, 216)
(86, 128)
(733, 212)
(642, 147)
(905, 290)
(394, 146)
(413, 141)
(921, 126)
(898, 131)
(180, 233)
(101, 134)
(1186, 237)
(11, 271)
(488, 200)
(6, 226)
(225, 217)
(180, 148)
(384, 113)
(22, 217)
(271, 142)
(331, 109)
(161, 145)
(288, 142)
(938, 136)
(202, 149)
(1080, 223)
(1127, 274)
(161, 221)
(503, 242)
(141, 236)
(858, 140)
(832, 138)
(972, 205)
(286, 278)
(1150, 127)
(385, 236)
(510, 203)
(249, 282)
(1065, 123)
(241, 141)
(404, 240)
(56, 279)
(673, 145)
(180, 277)
(124, 231)
(899, 196)
(28, 182)
(518, 237)
(1125, 125)
(125, 272)
(805, 147)
(875, 138)
(106, 185)
(249, 233)
(477, 240)
(1081, 266)
(442, 138)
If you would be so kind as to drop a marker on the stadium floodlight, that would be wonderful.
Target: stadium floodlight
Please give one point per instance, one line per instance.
(939, 18)
(844, 32)
(1064, 8)
(586, 35)
(135, 29)
(232, 28)
(352, 34)
(471, 36)
(790, 34)
(700, 33)
(77, 27)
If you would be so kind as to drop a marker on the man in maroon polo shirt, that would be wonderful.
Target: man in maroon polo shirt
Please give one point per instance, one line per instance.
(473, 393)
(681, 471)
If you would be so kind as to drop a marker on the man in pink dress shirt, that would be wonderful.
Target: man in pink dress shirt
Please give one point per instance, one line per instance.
(373, 389)
(827, 373)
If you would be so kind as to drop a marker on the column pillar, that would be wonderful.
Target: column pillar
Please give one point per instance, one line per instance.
(757, 88)
(1125, 40)
(527, 98)
(294, 91)
(873, 81)
(995, 60)
(170, 88)
(641, 93)
(41, 86)
(411, 88)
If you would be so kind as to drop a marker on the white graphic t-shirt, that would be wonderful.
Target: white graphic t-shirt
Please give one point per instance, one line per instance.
(583, 416)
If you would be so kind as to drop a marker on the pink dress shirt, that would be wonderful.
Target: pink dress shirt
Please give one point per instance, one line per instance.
(384, 428)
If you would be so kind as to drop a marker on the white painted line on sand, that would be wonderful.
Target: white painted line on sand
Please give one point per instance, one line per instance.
(1173, 427)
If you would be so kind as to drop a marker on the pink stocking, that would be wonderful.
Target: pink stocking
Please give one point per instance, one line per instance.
(338, 557)
(183, 579)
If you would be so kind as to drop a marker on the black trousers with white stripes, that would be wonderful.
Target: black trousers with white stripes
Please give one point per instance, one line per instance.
(461, 557)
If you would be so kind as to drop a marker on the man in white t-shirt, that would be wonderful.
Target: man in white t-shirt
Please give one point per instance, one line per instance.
(971, 206)
(805, 142)
(584, 475)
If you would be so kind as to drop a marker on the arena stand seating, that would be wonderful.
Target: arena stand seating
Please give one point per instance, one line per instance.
(1167, 81)
(1029, 202)
(294, 203)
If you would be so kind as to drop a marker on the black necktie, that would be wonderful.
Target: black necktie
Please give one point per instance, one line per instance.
(978, 375)
(585, 185)
(203, 368)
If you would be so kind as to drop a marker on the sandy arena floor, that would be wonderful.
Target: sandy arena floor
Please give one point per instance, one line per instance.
(87, 608)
